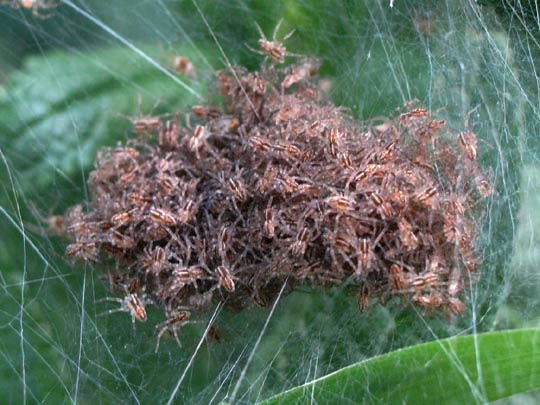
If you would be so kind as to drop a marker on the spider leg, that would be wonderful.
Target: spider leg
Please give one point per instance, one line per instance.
(261, 33)
(37, 14)
(47, 4)
(175, 334)
(161, 332)
(37, 6)
(286, 37)
(156, 104)
(274, 34)
(376, 241)
(111, 311)
(141, 114)
(295, 55)
(255, 50)
(110, 299)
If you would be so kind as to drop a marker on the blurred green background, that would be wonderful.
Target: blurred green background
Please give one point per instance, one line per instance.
(67, 80)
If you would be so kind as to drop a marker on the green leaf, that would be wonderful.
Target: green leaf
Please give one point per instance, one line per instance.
(460, 370)
(63, 106)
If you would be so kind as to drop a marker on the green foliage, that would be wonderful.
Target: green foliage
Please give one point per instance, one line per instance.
(53, 123)
(459, 370)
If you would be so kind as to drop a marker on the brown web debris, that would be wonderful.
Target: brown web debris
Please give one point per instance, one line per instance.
(277, 185)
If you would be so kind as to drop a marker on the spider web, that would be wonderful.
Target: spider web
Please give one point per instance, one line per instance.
(452, 56)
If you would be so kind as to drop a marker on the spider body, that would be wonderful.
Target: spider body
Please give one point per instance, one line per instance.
(273, 49)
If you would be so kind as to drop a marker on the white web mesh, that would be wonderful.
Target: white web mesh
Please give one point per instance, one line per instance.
(68, 75)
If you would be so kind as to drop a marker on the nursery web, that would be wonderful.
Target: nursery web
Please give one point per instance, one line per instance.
(72, 73)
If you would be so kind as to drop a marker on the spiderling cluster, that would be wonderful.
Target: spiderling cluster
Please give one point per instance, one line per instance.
(279, 187)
